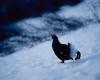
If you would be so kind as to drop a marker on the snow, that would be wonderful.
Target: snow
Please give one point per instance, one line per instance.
(40, 63)
(88, 9)
(77, 11)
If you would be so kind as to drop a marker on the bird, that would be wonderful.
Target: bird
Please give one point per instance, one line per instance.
(62, 51)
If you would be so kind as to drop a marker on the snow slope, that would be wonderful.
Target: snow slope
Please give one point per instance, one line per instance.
(40, 63)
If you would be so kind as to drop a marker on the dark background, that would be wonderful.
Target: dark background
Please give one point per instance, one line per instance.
(12, 10)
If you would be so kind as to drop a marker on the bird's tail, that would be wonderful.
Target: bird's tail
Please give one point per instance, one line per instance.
(78, 55)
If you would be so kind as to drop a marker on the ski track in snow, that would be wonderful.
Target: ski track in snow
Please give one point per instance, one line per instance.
(40, 63)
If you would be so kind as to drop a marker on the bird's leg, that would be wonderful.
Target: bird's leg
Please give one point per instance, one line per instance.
(62, 61)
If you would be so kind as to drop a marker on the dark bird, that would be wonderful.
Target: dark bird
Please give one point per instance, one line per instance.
(62, 51)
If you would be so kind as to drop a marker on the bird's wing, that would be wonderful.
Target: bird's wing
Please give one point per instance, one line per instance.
(65, 49)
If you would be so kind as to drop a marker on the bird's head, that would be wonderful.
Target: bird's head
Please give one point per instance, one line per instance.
(69, 44)
(54, 37)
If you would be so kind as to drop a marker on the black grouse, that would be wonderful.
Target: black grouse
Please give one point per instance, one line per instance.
(62, 51)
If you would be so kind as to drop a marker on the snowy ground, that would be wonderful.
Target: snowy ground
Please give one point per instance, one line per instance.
(40, 63)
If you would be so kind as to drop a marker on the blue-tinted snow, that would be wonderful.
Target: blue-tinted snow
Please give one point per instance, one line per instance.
(40, 63)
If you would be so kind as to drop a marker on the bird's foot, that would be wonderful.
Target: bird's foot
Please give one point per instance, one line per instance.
(62, 61)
